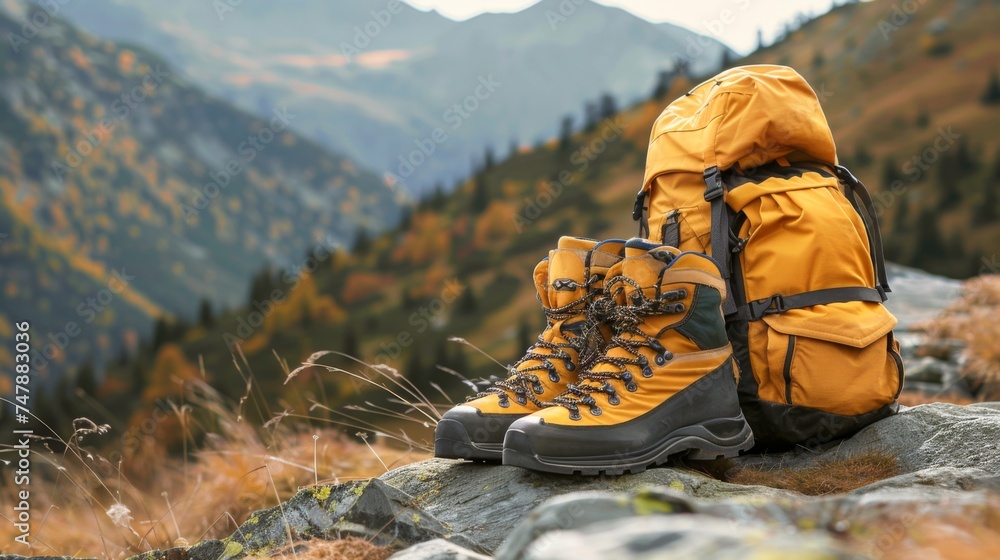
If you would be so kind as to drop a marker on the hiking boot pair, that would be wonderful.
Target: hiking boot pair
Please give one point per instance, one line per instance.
(634, 366)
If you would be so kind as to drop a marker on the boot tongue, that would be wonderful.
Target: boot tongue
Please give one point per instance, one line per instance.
(643, 266)
(566, 278)
(578, 243)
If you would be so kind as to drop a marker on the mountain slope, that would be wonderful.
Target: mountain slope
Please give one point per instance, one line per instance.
(399, 290)
(109, 162)
(373, 82)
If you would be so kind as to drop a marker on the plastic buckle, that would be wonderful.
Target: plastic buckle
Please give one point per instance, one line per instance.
(713, 182)
(767, 306)
(637, 208)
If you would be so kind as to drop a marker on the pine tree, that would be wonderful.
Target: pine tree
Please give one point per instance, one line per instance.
(901, 219)
(566, 133)
(760, 40)
(929, 243)
(608, 106)
(818, 60)
(480, 194)
(414, 368)
(890, 173)
(467, 303)
(349, 345)
(206, 318)
(991, 96)
(948, 175)
(663, 82)
(727, 59)
(988, 209)
(591, 116)
(489, 160)
(86, 378)
(862, 158)
(362, 242)
(405, 218)
(160, 333)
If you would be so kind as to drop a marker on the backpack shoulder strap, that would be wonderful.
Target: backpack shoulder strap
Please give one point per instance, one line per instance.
(856, 191)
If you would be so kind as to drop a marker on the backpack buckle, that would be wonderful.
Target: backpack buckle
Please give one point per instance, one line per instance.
(713, 184)
(767, 306)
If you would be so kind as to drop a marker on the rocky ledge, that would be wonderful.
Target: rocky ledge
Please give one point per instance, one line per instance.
(944, 498)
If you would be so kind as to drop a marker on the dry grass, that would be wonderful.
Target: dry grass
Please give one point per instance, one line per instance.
(84, 505)
(827, 477)
(346, 549)
(972, 320)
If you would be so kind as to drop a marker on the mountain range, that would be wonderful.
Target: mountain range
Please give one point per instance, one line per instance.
(376, 78)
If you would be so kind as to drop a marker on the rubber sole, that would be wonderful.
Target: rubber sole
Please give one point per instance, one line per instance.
(452, 441)
(700, 442)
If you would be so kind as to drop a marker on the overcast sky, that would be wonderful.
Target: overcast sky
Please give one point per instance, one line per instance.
(749, 15)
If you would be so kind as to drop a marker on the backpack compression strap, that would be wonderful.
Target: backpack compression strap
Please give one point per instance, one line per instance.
(715, 190)
(778, 303)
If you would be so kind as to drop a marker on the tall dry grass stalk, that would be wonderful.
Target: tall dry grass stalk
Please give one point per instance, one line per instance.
(84, 504)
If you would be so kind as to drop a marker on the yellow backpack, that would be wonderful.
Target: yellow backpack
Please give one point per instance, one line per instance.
(744, 168)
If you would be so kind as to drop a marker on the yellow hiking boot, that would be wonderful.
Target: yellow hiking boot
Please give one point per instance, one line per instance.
(568, 281)
(664, 385)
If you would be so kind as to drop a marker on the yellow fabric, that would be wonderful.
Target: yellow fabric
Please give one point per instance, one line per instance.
(666, 382)
(801, 233)
(689, 364)
(574, 259)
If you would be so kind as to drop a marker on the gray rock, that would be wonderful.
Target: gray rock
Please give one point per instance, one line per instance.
(933, 435)
(368, 509)
(936, 481)
(680, 536)
(674, 525)
(437, 549)
(484, 502)
(931, 370)
(917, 296)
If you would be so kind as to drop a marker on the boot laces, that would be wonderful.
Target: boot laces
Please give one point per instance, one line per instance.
(524, 381)
(626, 321)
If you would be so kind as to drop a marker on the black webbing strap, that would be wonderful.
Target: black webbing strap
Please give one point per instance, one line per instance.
(857, 189)
(640, 214)
(715, 191)
(755, 310)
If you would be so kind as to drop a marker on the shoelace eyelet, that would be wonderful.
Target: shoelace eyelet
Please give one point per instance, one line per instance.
(574, 413)
(648, 371)
(553, 374)
(596, 410)
(674, 295)
(663, 358)
(569, 365)
(613, 399)
(657, 347)
(504, 403)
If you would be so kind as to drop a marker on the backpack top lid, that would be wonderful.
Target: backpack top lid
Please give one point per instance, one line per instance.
(744, 117)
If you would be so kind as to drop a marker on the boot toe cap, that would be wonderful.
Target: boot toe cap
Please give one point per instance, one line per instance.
(465, 432)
